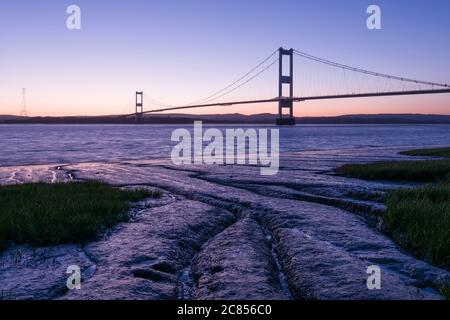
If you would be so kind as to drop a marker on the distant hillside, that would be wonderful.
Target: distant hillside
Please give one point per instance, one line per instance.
(8, 117)
(263, 118)
(380, 119)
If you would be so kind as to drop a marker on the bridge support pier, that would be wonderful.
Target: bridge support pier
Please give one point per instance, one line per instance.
(286, 102)
(139, 106)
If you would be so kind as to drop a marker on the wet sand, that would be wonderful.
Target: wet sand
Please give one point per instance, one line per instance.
(225, 232)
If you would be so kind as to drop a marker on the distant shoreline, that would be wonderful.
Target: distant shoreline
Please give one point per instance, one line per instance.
(234, 119)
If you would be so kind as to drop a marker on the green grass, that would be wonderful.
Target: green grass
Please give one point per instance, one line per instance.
(422, 217)
(50, 214)
(418, 218)
(414, 171)
(437, 152)
(445, 290)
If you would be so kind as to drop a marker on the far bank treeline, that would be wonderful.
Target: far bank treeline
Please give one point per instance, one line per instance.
(264, 118)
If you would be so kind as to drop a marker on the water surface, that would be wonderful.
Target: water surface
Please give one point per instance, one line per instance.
(45, 144)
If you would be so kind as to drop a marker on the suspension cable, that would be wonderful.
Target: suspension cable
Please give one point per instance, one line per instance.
(210, 97)
(242, 84)
(376, 74)
(155, 102)
(220, 93)
(128, 107)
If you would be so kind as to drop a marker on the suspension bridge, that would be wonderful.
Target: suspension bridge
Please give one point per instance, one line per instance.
(390, 85)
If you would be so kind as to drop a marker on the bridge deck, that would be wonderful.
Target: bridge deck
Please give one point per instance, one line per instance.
(298, 99)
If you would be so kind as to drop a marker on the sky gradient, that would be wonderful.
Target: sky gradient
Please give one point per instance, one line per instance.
(182, 51)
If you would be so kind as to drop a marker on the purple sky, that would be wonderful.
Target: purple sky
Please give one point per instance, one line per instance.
(182, 51)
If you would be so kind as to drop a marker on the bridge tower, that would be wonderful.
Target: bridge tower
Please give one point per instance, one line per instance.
(286, 102)
(139, 105)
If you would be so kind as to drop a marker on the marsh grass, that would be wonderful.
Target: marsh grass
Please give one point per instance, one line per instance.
(418, 218)
(50, 214)
(437, 152)
(422, 216)
(414, 171)
(445, 290)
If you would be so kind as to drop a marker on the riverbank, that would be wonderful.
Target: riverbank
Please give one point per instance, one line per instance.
(225, 232)
(418, 218)
(41, 214)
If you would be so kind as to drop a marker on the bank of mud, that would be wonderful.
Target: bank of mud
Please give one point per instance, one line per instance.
(225, 232)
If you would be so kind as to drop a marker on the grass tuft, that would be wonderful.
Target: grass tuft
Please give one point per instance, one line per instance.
(42, 214)
(422, 216)
(445, 289)
(418, 218)
(414, 171)
(437, 152)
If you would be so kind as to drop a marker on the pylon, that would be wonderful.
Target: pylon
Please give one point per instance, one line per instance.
(23, 112)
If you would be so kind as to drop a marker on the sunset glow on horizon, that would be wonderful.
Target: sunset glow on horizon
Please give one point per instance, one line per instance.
(181, 52)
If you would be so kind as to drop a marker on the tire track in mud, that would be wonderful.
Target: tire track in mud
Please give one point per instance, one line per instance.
(370, 210)
(189, 284)
(331, 258)
(144, 258)
(199, 279)
(222, 254)
(237, 264)
(405, 275)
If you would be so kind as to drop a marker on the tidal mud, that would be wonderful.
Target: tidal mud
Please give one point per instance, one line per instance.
(240, 252)
(40, 273)
(143, 259)
(225, 232)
